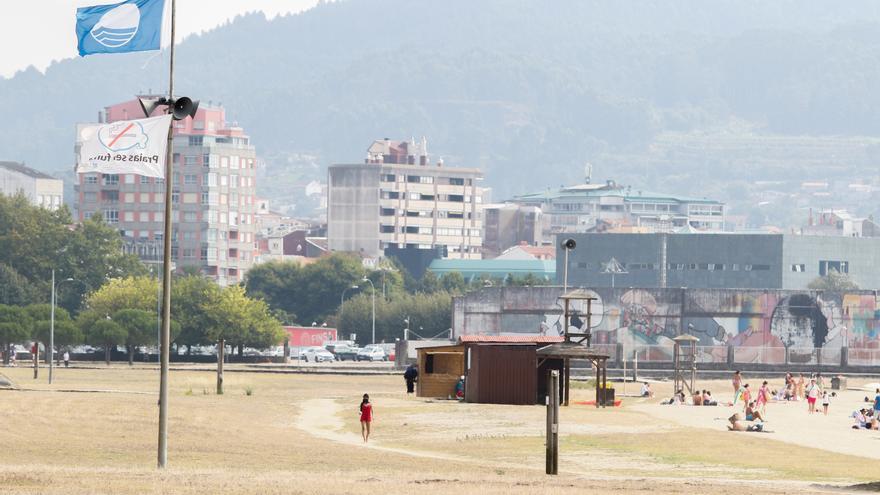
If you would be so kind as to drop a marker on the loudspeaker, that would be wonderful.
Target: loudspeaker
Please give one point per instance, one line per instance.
(184, 107)
(149, 105)
(569, 244)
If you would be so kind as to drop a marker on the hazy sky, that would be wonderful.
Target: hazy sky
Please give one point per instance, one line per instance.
(55, 20)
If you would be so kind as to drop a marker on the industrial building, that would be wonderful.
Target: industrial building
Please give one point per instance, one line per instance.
(397, 199)
(213, 198)
(745, 261)
(41, 189)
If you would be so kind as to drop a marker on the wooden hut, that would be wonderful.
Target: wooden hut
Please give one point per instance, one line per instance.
(440, 367)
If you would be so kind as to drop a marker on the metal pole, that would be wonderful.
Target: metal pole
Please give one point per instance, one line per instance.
(373, 292)
(552, 442)
(565, 275)
(49, 351)
(164, 343)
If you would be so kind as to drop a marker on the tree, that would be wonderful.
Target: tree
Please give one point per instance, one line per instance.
(834, 281)
(14, 288)
(36, 240)
(139, 326)
(66, 332)
(124, 293)
(453, 283)
(239, 320)
(107, 334)
(189, 297)
(428, 314)
(14, 328)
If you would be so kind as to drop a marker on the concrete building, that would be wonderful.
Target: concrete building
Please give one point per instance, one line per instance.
(42, 189)
(840, 223)
(398, 199)
(509, 224)
(755, 261)
(596, 207)
(214, 205)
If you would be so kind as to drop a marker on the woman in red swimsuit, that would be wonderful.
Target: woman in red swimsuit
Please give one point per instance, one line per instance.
(366, 417)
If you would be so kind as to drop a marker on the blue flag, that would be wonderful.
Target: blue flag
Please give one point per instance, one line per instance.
(130, 26)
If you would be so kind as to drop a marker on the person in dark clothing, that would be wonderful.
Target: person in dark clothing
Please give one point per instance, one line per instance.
(411, 375)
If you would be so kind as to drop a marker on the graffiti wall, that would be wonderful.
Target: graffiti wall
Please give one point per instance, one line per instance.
(762, 326)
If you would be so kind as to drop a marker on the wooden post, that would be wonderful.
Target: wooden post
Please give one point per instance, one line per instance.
(553, 422)
(598, 381)
(286, 351)
(567, 381)
(36, 349)
(221, 355)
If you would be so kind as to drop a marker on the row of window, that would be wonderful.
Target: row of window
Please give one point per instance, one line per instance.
(414, 196)
(212, 216)
(734, 267)
(415, 229)
(426, 179)
(390, 212)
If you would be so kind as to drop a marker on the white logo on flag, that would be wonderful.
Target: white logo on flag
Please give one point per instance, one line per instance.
(117, 27)
(125, 147)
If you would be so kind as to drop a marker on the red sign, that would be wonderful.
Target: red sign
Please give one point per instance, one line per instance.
(309, 336)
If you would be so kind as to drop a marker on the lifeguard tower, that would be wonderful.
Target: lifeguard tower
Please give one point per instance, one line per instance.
(684, 357)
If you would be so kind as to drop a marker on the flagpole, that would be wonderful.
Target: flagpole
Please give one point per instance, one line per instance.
(164, 345)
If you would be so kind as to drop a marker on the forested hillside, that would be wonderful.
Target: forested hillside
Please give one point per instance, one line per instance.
(636, 88)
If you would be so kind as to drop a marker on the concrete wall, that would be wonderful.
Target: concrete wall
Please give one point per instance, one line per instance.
(353, 209)
(861, 253)
(762, 326)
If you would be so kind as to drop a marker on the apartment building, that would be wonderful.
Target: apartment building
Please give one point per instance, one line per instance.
(213, 199)
(41, 189)
(397, 199)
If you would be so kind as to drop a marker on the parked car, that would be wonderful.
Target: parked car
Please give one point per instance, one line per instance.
(371, 353)
(317, 355)
(390, 350)
(344, 352)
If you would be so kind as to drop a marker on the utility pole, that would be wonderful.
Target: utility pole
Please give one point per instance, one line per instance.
(552, 441)
(221, 355)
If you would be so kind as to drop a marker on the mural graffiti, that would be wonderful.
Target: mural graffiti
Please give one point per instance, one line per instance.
(761, 326)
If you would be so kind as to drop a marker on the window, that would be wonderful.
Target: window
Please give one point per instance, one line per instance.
(233, 253)
(234, 162)
(128, 198)
(205, 198)
(387, 177)
(129, 178)
(144, 216)
(90, 179)
(390, 195)
(415, 196)
(386, 229)
(189, 253)
(110, 179)
(110, 196)
(224, 180)
(189, 216)
(88, 214)
(158, 235)
(191, 159)
(90, 197)
(455, 198)
(175, 197)
(233, 181)
(190, 179)
(195, 140)
(111, 216)
(385, 212)
(825, 267)
(429, 363)
(456, 181)
(145, 179)
(799, 268)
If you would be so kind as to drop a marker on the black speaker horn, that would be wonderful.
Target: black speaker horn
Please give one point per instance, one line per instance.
(184, 107)
(149, 105)
(569, 244)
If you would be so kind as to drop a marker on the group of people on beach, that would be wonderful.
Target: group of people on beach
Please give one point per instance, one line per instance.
(868, 418)
(795, 389)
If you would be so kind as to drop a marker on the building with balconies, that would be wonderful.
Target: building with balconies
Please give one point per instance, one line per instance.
(397, 199)
(41, 189)
(213, 198)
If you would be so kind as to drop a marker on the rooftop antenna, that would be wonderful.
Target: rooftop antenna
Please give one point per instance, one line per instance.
(588, 172)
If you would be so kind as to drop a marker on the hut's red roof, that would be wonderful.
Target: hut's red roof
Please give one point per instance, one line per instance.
(511, 339)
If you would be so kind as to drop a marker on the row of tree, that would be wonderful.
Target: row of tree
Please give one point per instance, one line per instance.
(123, 312)
(34, 241)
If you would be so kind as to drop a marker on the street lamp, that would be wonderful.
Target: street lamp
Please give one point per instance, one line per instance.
(373, 293)
(51, 351)
(342, 303)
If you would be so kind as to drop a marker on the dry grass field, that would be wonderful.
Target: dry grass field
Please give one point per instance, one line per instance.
(94, 431)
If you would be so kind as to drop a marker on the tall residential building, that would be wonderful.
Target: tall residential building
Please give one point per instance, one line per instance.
(42, 189)
(397, 199)
(214, 205)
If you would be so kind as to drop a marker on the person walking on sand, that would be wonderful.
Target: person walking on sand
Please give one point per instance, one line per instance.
(799, 390)
(746, 395)
(66, 359)
(366, 417)
(411, 375)
(826, 401)
(737, 383)
(763, 397)
(812, 394)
